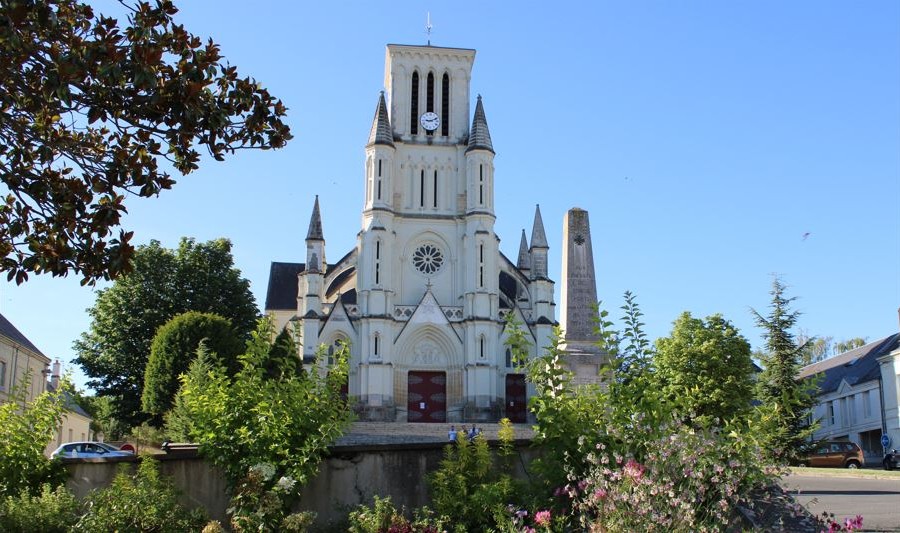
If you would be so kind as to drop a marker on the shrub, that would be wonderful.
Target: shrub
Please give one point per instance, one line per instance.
(52, 511)
(175, 346)
(145, 502)
(26, 429)
(383, 517)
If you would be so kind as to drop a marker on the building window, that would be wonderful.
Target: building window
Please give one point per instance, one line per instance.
(867, 404)
(428, 259)
(481, 265)
(335, 346)
(429, 102)
(508, 358)
(376, 343)
(445, 105)
(435, 189)
(480, 184)
(378, 185)
(481, 347)
(414, 105)
(422, 189)
(2, 375)
(377, 262)
(829, 414)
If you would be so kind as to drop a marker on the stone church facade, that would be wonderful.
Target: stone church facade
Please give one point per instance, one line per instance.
(422, 297)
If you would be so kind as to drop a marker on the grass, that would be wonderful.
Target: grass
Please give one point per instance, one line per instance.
(870, 473)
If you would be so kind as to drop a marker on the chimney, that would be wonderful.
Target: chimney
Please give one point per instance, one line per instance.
(54, 377)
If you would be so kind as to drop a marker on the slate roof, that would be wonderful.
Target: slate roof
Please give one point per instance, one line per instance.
(523, 253)
(381, 132)
(538, 236)
(10, 331)
(315, 224)
(856, 366)
(282, 291)
(479, 135)
(70, 402)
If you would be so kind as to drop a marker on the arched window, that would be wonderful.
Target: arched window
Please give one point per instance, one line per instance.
(508, 358)
(422, 189)
(334, 347)
(434, 204)
(414, 105)
(377, 262)
(429, 98)
(480, 184)
(378, 185)
(481, 265)
(445, 105)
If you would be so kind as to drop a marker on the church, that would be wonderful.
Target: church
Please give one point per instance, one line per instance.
(423, 297)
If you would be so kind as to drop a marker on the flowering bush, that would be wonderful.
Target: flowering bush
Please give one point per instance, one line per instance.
(689, 480)
(259, 503)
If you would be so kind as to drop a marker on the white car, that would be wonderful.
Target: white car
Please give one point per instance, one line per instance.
(89, 449)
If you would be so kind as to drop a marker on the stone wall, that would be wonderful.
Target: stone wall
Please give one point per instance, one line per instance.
(349, 476)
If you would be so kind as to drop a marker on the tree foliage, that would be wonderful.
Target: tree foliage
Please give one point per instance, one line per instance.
(174, 348)
(126, 316)
(788, 398)
(26, 428)
(92, 112)
(249, 419)
(706, 366)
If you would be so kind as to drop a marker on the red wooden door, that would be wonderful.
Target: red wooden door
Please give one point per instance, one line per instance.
(426, 397)
(515, 398)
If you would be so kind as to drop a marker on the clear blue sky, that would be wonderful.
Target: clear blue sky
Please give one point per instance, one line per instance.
(705, 138)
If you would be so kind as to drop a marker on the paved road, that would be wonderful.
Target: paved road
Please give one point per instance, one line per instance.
(877, 500)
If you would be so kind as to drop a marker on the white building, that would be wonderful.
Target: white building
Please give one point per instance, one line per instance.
(421, 298)
(858, 392)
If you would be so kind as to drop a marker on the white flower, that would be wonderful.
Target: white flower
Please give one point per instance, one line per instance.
(266, 470)
(286, 483)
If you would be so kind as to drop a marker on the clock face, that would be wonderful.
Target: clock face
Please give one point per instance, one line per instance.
(430, 121)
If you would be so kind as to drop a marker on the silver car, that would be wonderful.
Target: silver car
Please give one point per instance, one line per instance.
(89, 449)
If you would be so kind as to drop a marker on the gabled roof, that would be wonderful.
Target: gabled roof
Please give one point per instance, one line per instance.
(856, 366)
(282, 291)
(9, 331)
(479, 135)
(381, 132)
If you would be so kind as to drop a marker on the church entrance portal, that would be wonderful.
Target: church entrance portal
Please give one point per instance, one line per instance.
(515, 398)
(427, 397)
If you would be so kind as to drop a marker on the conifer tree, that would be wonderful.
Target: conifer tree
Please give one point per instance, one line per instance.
(778, 389)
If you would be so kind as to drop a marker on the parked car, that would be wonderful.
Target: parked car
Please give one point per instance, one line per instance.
(89, 449)
(838, 454)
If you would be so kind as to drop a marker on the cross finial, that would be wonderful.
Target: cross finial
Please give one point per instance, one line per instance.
(428, 27)
(428, 284)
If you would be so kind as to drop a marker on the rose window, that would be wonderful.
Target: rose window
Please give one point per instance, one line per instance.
(428, 259)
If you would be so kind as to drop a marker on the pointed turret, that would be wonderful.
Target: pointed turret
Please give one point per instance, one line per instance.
(480, 135)
(315, 224)
(538, 237)
(539, 247)
(381, 132)
(524, 262)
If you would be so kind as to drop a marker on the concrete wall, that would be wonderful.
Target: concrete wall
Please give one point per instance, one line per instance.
(351, 475)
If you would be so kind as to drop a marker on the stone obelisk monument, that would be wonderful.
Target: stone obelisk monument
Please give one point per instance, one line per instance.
(579, 298)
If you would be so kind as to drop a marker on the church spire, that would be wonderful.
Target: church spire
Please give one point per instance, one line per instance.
(479, 135)
(381, 132)
(538, 237)
(523, 263)
(315, 224)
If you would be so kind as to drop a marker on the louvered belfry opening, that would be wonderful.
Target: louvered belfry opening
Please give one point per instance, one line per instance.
(414, 105)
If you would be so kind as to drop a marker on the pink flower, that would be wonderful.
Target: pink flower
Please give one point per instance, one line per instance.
(542, 518)
(599, 494)
(633, 469)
